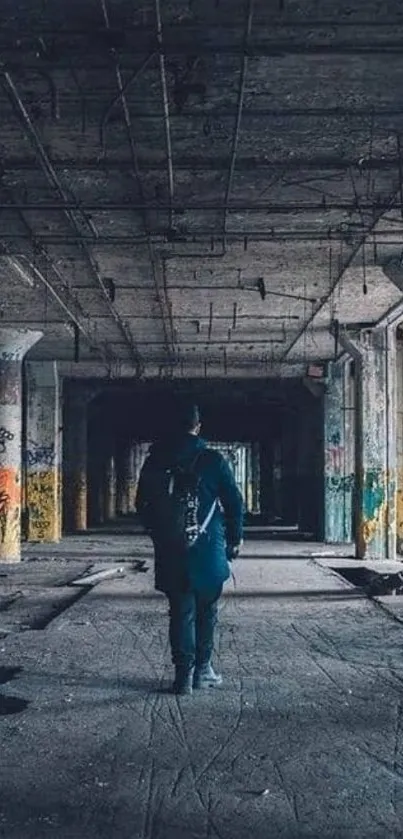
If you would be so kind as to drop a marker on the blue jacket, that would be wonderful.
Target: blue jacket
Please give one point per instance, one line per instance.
(204, 566)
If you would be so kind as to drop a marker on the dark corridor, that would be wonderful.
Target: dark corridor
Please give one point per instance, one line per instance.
(282, 420)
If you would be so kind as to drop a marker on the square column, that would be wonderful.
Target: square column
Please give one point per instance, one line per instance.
(339, 455)
(42, 454)
(374, 352)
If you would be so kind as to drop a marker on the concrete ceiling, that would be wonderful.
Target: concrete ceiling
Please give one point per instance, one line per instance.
(198, 188)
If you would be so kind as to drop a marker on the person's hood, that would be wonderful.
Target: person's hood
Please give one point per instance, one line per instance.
(173, 451)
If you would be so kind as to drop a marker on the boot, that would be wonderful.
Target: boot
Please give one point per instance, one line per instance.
(183, 682)
(206, 677)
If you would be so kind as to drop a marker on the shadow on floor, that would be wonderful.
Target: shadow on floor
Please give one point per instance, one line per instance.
(325, 594)
(11, 704)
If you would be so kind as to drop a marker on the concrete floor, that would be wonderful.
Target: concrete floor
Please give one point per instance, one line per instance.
(305, 738)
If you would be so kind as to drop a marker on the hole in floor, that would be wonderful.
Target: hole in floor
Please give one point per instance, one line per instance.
(372, 582)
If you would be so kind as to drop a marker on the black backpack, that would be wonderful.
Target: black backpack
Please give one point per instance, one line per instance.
(172, 513)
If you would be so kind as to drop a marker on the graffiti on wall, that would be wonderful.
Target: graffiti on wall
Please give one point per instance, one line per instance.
(334, 453)
(6, 436)
(37, 454)
(339, 484)
(42, 504)
(10, 506)
(10, 387)
(374, 501)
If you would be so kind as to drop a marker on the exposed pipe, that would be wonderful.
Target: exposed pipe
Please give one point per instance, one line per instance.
(136, 170)
(119, 95)
(52, 177)
(219, 112)
(35, 140)
(40, 251)
(276, 47)
(309, 236)
(41, 277)
(331, 163)
(345, 265)
(241, 95)
(267, 208)
(165, 102)
(186, 24)
(232, 343)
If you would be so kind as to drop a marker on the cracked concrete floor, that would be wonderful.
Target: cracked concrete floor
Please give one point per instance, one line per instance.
(305, 738)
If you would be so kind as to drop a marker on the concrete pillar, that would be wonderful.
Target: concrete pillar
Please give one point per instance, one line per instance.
(75, 457)
(110, 488)
(339, 456)
(14, 343)
(42, 452)
(374, 352)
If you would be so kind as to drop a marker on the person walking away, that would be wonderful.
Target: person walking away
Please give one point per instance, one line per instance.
(189, 503)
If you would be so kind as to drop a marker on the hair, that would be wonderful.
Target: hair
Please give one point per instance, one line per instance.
(187, 416)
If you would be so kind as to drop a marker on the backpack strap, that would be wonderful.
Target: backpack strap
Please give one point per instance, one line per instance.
(208, 518)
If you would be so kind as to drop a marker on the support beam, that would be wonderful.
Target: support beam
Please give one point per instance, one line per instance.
(375, 362)
(42, 452)
(14, 344)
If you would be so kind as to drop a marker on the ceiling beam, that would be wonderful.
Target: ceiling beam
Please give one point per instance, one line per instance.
(270, 208)
(321, 235)
(211, 46)
(202, 163)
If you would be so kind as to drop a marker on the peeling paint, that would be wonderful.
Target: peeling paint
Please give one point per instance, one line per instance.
(378, 509)
(339, 480)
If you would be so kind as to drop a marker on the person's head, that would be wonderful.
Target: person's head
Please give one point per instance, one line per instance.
(187, 417)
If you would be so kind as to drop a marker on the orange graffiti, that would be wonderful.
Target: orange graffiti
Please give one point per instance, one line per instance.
(10, 508)
(10, 488)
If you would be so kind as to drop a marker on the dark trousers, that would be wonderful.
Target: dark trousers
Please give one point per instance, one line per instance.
(192, 618)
